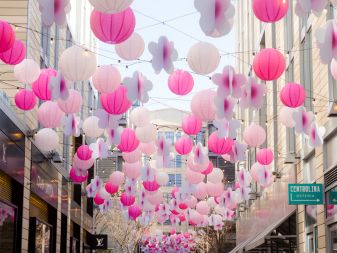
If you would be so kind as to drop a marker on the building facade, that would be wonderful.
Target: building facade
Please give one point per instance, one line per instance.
(266, 222)
(42, 208)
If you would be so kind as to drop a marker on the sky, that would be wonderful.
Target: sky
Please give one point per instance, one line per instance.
(184, 32)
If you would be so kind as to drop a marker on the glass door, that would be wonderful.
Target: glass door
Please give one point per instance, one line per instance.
(333, 238)
(311, 243)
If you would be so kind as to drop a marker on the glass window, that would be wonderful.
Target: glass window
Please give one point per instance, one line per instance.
(178, 180)
(288, 29)
(7, 228)
(178, 136)
(333, 239)
(56, 48)
(310, 215)
(309, 173)
(331, 208)
(169, 137)
(200, 138)
(178, 161)
(329, 148)
(306, 69)
(172, 180)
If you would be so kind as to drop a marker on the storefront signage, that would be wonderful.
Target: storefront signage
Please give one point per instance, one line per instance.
(99, 242)
(333, 197)
(305, 194)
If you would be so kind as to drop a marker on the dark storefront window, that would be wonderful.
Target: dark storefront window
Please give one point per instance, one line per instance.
(7, 227)
(41, 236)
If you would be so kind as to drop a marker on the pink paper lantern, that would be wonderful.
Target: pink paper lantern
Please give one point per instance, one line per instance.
(25, 99)
(72, 104)
(184, 145)
(98, 200)
(201, 191)
(254, 135)
(15, 54)
(127, 200)
(151, 186)
(202, 208)
(214, 190)
(82, 164)
(7, 36)
(84, 152)
(117, 178)
(269, 64)
(111, 188)
(208, 170)
(106, 79)
(41, 85)
(293, 95)
(219, 146)
(148, 148)
(270, 11)
(116, 102)
(76, 177)
(194, 177)
(202, 105)
(132, 170)
(134, 212)
(49, 114)
(265, 156)
(129, 141)
(191, 125)
(113, 28)
(132, 157)
(183, 206)
(180, 82)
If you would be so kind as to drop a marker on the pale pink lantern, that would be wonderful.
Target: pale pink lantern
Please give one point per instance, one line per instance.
(106, 79)
(7, 36)
(202, 105)
(269, 64)
(116, 102)
(151, 186)
(181, 82)
(132, 170)
(191, 201)
(202, 208)
(293, 95)
(184, 145)
(84, 152)
(265, 156)
(72, 104)
(214, 190)
(127, 200)
(15, 54)
(194, 177)
(117, 178)
(41, 85)
(134, 212)
(270, 11)
(208, 170)
(49, 114)
(191, 125)
(201, 191)
(129, 141)
(111, 188)
(254, 135)
(219, 146)
(132, 157)
(113, 28)
(25, 99)
(82, 164)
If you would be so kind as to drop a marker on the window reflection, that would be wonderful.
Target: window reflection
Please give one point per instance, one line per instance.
(7, 227)
(310, 215)
(43, 237)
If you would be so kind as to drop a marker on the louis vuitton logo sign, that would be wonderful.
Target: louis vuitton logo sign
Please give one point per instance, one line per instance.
(99, 242)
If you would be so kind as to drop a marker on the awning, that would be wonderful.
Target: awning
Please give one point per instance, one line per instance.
(261, 238)
(239, 248)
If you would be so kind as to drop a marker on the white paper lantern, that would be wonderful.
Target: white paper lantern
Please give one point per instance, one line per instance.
(110, 6)
(140, 117)
(211, 202)
(106, 79)
(46, 140)
(27, 71)
(203, 58)
(77, 64)
(286, 116)
(132, 48)
(162, 178)
(91, 128)
(147, 133)
(215, 176)
(50, 114)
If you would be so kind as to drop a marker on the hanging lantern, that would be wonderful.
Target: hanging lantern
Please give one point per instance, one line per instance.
(184, 145)
(216, 176)
(254, 135)
(203, 58)
(151, 186)
(83, 164)
(134, 212)
(269, 64)
(219, 146)
(41, 85)
(91, 128)
(72, 104)
(84, 152)
(98, 199)
(194, 177)
(191, 125)
(202, 208)
(7, 36)
(110, 6)
(25, 99)
(132, 48)
(265, 156)
(129, 141)
(49, 114)
(162, 178)
(270, 11)
(214, 190)
(140, 116)
(113, 28)
(201, 191)
(27, 71)
(286, 117)
(148, 148)
(132, 157)
(46, 140)
(127, 200)
(293, 95)
(116, 102)
(111, 188)
(132, 170)
(15, 54)
(77, 64)
(202, 105)
(117, 178)
(208, 170)
(106, 79)
(78, 176)
(180, 82)
(146, 133)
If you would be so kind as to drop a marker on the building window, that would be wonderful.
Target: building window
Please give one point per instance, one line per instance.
(178, 161)
(309, 172)
(178, 136)
(45, 47)
(174, 180)
(200, 138)
(55, 40)
(69, 38)
(289, 29)
(290, 132)
(169, 136)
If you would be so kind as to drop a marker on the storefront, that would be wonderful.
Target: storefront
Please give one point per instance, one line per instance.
(64, 215)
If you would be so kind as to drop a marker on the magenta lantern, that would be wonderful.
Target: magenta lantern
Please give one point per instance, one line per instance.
(134, 212)
(15, 54)
(270, 11)
(78, 178)
(7, 36)
(84, 152)
(111, 188)
(113, 28)
(72, 104)
(269, 64)
(151, 186)
(265, 156)
(49, 114)
(98, 199)
(25, 99)
(116, 102)
(181, 82)
(208, 170)
(202, 105)
(293, 95)
(191, 125)
(219, 146)
(129, 141)
(184, 145)
(41, 85)
(127, 200)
